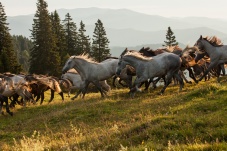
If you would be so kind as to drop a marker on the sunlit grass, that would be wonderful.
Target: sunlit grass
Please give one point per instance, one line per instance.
(194, 119)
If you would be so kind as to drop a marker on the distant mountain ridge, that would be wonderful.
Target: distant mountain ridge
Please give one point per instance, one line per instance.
(129, 28)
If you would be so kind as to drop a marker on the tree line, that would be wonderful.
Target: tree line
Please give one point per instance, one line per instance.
(52, 42)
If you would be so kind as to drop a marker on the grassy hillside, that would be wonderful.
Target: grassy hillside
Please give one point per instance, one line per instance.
(194, 119)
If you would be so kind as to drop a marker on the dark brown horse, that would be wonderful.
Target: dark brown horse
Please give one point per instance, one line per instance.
(41, 83)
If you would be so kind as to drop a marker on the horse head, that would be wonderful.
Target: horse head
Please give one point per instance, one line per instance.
(68, 65)
(147, 52)
(200, 43)
(188, 55)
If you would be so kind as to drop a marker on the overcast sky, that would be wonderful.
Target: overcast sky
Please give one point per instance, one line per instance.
(166, 8)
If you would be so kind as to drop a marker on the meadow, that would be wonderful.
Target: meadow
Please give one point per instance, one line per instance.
(194, 119)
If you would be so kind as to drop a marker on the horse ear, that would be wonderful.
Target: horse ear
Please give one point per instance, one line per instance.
(201, 37)
(126, 49)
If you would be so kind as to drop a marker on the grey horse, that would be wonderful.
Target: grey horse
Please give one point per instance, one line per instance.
(91, 71)
(216, 51)
(165, 64)
(72, 80)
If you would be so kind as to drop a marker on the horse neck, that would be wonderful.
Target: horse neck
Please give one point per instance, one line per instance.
(208, 47)
(133, 61)
(80, 67)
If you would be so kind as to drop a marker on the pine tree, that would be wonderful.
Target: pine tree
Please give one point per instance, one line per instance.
(100, 49)
(71, 35)
(45, 58)
(58, 30)
(83, 40)
(170, 38)
(22, 45)
(8, 59)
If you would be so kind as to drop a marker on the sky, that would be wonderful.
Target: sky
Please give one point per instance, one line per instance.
(166, 8)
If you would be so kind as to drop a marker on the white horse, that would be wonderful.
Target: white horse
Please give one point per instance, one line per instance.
(91, 71)
(72, 80)
(215, 50)
(165, 64)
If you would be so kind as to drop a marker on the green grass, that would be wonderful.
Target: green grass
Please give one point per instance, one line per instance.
(194, 119)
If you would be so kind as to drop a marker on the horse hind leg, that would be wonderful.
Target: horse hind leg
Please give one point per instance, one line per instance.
(51, 95)
(178, 77)
(113, 82)
(62, 96)
(77, 94)
(136, 86)
(167, 82)
(98, 86)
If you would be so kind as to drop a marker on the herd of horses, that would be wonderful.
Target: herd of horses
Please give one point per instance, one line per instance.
(203, 60)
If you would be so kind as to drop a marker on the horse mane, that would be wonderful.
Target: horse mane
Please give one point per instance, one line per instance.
(194, 49)
(214, 40)
(138, 55)
(126, 51)
(84, 57)
(72, 71)
(110, 57)
(9, 74)
(147, 48)
(171, 48)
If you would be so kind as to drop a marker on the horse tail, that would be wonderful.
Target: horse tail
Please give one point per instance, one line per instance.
(57, 86)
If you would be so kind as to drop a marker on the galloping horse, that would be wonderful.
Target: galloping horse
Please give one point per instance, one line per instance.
(216, 51)
(10, 85)
(41, 83)
(91, 71)
(147, 68)
(72, 80)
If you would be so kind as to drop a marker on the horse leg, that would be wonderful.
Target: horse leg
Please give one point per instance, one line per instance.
(129, 81)
(7, 106)
(167, 82)
(155, 82)
(51, 95)
(178, 77)
(84, 90)
(183, 76)
(14, 100)
(37, 96)
(97, 84)
(141, 84)
(191, 75)
(113, 83)
(218, 72)
(211, 66)
(120, 82)
(77, 94)
(42, 97)
(222, 66)
(136, 85)
(62, 96)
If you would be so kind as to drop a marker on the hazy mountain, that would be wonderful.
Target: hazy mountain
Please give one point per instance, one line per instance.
(217, 24)
(128, 28)
(20, 25)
